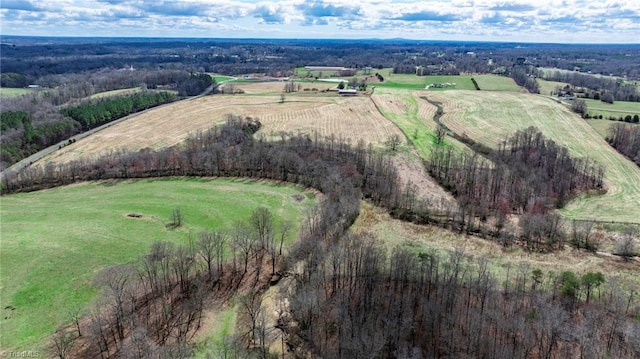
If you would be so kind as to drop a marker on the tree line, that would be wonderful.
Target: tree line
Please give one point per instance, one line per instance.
(94, 113)
(528, 174)
(22, 138)
(526, 78)
(626, 140)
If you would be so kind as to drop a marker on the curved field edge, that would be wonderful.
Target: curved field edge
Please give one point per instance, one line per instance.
(420, 238)
(55, 241)
(489, 117)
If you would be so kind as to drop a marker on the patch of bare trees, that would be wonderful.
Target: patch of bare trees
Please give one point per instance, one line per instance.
(626, 140)
(154, 308)
(356, 299)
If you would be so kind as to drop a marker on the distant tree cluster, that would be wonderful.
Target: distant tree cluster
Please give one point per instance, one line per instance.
(526, 78)
(94, 113)
(21, 137)
(528, 174)
(195, 84)
(12, 79)
(626, 140)
(601, 88)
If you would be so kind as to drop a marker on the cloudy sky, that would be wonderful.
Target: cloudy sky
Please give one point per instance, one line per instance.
(564, 21)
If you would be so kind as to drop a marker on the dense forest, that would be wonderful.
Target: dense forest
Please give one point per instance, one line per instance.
(349, 297)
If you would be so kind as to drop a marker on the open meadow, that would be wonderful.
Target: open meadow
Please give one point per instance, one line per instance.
(547, 87)
(121, 92)
(489, 117)
(413, 115)
(55, 241)
(615, 109)
(488, 82)
(13, 92)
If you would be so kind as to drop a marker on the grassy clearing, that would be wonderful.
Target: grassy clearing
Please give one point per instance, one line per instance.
(496, 83)
(216, 326)
(112, 93)
(428, 238)
(14, 92)
(413, 115)
(547, 88)
(222, 78)
(55, 241)
(489, 117)
(411, 81)
(617, 108)
(601, 126)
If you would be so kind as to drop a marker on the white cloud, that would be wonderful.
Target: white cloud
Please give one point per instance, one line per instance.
(509, 20)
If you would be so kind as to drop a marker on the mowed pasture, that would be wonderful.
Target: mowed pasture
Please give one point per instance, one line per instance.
(489, 117)
(55, 241)
(490, 82)
(353, 118)
(277, 87)
(14, 92)
(112, 93)
(616, 109)
(413, 115)
(547, 88)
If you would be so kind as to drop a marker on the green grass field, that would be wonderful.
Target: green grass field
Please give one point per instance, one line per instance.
(14, 92)
(55, 241)
(601, 126)
(222, 78)
(617, 109)
(490, 116)
(410, 81)
(419, 131)
(496, 83)
(549, 87)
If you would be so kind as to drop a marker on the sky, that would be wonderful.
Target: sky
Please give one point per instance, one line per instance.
(557, 21)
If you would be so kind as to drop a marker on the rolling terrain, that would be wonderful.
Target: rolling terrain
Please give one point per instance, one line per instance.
(489, 117)
(55, 241)
(484, 116)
